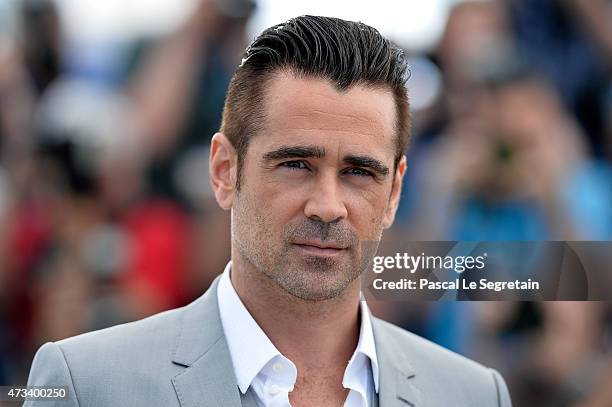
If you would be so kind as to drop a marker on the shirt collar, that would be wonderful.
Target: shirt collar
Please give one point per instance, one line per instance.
(366, 345)
(249, 346)
(251, 349)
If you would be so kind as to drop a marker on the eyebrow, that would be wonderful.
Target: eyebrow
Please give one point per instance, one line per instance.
(287, 152)
(367, 162)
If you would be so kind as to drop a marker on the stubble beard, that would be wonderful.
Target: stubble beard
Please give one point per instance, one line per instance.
(310, 278)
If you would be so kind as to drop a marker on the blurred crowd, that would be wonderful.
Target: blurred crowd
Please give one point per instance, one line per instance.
(106, 214)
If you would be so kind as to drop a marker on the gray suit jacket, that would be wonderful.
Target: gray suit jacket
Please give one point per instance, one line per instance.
(180, 358)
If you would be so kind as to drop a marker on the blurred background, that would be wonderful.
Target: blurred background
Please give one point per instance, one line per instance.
(106, 214)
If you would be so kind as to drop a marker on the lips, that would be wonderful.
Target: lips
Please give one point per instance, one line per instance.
(320, 248)
(320, 245)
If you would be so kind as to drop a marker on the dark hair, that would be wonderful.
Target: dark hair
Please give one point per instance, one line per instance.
(344, 52)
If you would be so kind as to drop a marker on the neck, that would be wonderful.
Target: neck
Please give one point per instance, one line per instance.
(315, 335)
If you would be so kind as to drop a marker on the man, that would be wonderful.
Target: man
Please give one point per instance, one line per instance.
(310, 161)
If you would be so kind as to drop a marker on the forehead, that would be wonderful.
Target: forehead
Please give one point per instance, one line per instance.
(299, 107)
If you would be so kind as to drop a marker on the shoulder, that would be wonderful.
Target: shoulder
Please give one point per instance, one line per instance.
(140, 344)
(421, 350)
(123, 358)
(436, 367)
(126, 340)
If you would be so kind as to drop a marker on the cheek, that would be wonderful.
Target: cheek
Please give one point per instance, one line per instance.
(366, 212)
(266, 207)
(283, 199)
(252, 232)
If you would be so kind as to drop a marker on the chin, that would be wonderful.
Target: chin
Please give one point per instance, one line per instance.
(314, 294)
(315, 283)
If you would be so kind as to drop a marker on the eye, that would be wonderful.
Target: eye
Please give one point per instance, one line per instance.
(360, 172)
(295, 165)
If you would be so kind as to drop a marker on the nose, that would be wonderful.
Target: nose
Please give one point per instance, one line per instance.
(326, 203)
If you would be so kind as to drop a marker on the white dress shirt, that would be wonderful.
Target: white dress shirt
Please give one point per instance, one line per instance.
(258, 364)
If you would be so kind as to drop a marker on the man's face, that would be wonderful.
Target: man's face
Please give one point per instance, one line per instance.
(317, 185)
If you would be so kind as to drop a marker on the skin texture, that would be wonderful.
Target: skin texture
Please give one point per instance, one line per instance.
(319, 176)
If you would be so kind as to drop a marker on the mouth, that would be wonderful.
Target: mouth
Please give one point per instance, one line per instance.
(320, 249)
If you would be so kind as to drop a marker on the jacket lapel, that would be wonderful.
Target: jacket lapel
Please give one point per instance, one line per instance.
(396, 376)
(209, 378)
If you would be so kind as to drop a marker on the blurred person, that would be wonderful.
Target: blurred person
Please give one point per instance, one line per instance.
(510, 172)
(177, 90)
(477, 44)
(572, 354)
(178, 86)
(556, 353)
(124, 235)
(559, 358)
(569, 42)
(310, 161)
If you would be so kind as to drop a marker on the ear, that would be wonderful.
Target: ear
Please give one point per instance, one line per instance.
(223, 167)
(396, 191)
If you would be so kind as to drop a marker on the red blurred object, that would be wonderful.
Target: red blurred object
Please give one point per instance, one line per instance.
(158, 234)
(29, 234)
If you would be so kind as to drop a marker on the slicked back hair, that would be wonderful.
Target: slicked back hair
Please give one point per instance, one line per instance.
(344, 52)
